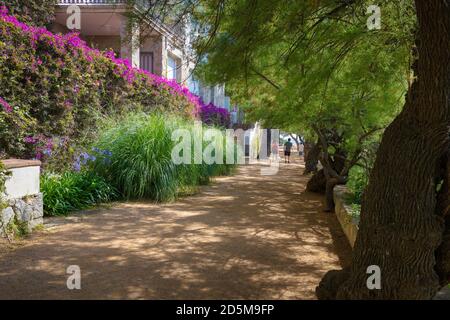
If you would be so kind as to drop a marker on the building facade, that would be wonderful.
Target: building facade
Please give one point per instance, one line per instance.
(153, 46)
(104, 25)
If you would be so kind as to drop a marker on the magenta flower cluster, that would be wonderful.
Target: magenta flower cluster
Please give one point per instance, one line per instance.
(44, 146)
(72, 43)
(213, 115)
(5, 105)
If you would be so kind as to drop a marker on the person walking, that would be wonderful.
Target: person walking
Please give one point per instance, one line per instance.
(274, 152)
(287, 151)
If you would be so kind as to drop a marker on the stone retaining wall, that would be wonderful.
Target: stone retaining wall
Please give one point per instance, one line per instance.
(343, 212)
(23, 198)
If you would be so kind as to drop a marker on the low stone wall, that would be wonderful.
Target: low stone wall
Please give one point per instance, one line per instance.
(343, 212)
(23, 198)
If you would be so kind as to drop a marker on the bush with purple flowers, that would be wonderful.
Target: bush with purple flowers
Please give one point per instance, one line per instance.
(84, 159)
(5, 105)
(45, 90)
(214, 116)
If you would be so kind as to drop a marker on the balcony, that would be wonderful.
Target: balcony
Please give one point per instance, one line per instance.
(92, 2)
(98, 17)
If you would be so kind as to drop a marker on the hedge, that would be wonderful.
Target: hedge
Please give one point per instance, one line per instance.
(53, 88)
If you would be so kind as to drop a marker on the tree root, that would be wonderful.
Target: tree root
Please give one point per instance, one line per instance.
(330, 284)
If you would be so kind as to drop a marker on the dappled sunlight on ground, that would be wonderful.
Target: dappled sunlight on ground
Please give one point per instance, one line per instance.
(243, 237)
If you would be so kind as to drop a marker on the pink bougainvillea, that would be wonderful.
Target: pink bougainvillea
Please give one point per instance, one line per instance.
(71, 41)
(59, 86)
(213, 115)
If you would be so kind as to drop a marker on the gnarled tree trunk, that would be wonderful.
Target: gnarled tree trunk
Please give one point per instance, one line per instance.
(312, 158)
(317, 183)
(443, 210)
(399, 229)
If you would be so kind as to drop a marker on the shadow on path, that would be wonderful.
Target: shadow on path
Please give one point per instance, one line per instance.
(244, 237)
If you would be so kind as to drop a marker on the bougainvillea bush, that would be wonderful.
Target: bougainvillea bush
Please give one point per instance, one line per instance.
(54, 88)
(214, 116)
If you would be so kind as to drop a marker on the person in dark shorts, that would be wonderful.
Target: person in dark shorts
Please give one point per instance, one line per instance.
(287, 151)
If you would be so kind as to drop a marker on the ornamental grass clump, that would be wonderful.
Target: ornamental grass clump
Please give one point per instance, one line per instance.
(139, 158)
(140, 165)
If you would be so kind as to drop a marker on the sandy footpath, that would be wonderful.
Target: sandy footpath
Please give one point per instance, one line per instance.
(243, 237)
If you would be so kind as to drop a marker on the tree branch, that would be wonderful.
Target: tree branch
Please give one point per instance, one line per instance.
(273, 84)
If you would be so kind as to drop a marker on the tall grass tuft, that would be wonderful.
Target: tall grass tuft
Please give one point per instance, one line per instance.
(140, 164)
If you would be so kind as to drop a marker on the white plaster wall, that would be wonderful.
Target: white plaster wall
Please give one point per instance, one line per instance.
(104, 42)
(130, 48)
(23, 182)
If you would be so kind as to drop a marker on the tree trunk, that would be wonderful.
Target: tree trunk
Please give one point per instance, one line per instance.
(335, 165)
(312, 159)
(296, 140)
(443, 209)
(317, 183)
(329, 194)
(399, 229)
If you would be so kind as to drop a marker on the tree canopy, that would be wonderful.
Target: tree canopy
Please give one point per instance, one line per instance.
(317, 67)
(293, 64)
(325, 69)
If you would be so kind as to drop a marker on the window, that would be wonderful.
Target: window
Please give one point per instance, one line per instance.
(171, 68)
(146, 61)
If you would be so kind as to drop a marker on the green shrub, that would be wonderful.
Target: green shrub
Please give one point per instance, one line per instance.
(140, 164)
(355, 210)
(357, 182)
(4, 174)
(200, 174)
(56, 87)
(73, 191)
(131, 159)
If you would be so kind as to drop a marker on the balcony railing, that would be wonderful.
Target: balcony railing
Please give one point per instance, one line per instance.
(137, 4)
(96, 2)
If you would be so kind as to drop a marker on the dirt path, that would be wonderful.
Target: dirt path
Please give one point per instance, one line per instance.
(244, 237)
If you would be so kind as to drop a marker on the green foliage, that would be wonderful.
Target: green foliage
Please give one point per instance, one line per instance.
(355, 211)
(359, 175)
(4, 174)
(133, 161)
(357, 182)
(62, 90)
(297, 67)
(73, 191)
(3, 177)
(141, 166)
(17, 229)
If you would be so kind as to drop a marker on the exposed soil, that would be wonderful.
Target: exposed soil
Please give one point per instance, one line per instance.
(243, 237)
